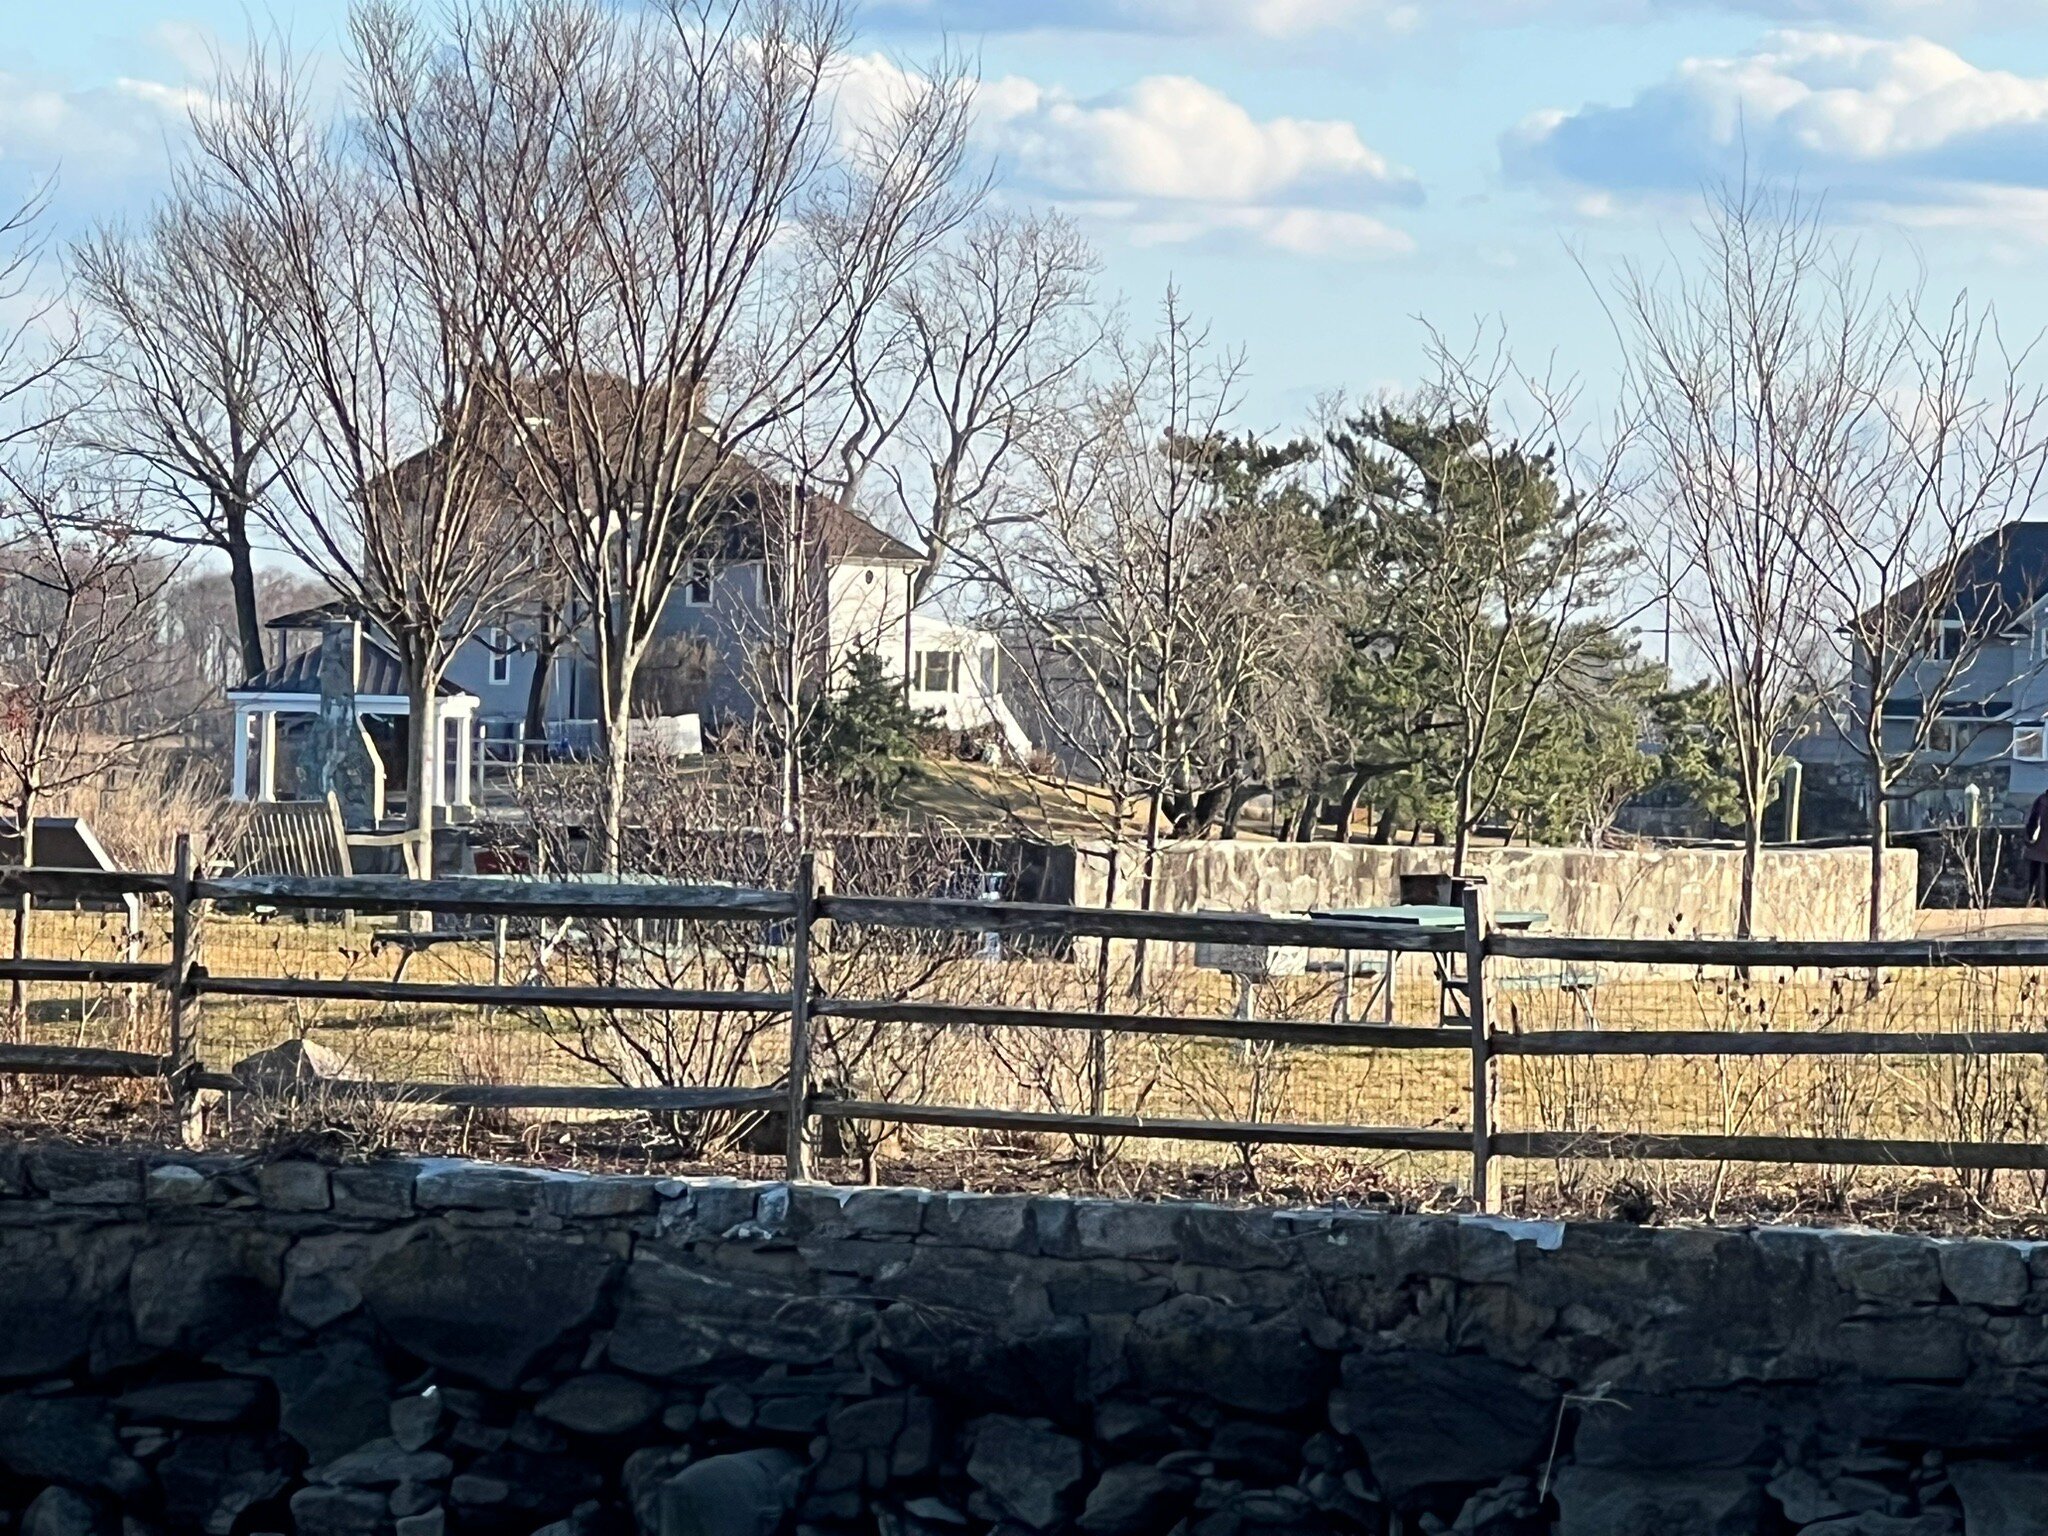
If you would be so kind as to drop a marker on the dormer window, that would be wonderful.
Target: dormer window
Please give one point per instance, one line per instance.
(697, 585)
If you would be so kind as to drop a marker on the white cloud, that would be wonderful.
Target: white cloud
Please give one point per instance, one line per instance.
(1173, 160)
(1283, 19)
(100, 144)
(1904, 123)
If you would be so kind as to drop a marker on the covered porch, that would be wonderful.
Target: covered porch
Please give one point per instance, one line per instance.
(268, 710)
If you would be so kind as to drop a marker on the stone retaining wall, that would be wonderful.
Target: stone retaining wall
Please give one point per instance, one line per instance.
(427, 1347)
(1802, 893)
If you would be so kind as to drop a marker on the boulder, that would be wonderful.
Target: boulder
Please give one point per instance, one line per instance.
(67, 1440)
(222, 1400)
(674, 1320)
(2001, 1500)
(294, 1067)
(210, 1479)
(45, 1324)
(322, 1277)
(331, 1399)
(60, 1512)
(191, 1289)
(1599, 1501)
(382, 1463)
(1134, 1499)
(599, 1404)
(1984, 1274)
(485, 1304)
(1027, 1467)
(323, 1511)
(1426, 1419)
(293, 1184)
(1192, 1344)
(416, 1420)
(747, 1493)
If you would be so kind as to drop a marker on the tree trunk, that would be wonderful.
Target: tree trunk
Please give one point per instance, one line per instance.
(423, 752)
(1462, 812)
(1752, 860)
(1305, 824)
(1389, 822)
(617, 705)
(1880, 843)
(242, 581)
(1347, 806)
(1240, 797)
(542, 680)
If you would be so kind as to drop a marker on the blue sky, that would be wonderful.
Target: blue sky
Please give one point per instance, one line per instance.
(1319, 176)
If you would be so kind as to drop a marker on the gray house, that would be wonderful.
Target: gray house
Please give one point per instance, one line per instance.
(1973, 710)
(516, 688)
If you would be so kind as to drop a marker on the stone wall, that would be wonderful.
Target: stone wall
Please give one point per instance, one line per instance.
(1802, 893)
(428, 1347)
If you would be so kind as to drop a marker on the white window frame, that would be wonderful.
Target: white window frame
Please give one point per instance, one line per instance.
(700, 573)
(1943, 629)
(499, 643)
(2034, 736)
(924, 673)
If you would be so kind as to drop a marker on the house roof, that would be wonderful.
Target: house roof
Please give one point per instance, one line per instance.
(1999, 577)
(381, 675)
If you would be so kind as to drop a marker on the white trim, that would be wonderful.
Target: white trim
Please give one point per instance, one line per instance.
(464, 703)
(2039, 732)
(499, 645)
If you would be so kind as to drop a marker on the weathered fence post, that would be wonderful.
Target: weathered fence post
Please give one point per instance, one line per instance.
(183, 1007)
(799, 1109)
(1478, 904)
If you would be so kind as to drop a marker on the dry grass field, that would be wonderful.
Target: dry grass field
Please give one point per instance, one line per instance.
(1940, 1098)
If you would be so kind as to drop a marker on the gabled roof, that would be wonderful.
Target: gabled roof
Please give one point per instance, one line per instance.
(1998, 578)
(381, 675)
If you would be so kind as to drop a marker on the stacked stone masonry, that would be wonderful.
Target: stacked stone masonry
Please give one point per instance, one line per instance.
(423, 1347)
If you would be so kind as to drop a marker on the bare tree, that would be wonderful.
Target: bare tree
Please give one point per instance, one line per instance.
(39, 338)
(193, 394)
(702, 251)
(1909, 549)
(1748, 380)
(80, 615)
(398, 498)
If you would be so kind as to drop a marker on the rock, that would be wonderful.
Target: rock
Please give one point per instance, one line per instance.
(1804, 1497)
(452, 1185)
(1676, 1434)
(331, 1399)
(292, 1068)
(323, 1511)
(60, 1512)
(321, 1279)
(191, 1289)
(1027, 1467)
(1597, 1501)
(373, 1191)
(431, 1522)
(86, 1175)
(294, 1185)
(2001, 1500)
(383, 1463)
(1194, 1344)
(209, 1480)
(416, 1420)
(576, 1197)
(67, 1440)
(674, 1320)
(223, 1400)
(1871, 1524)
(746, 1493)
(1134, 1499)
(45, 1323)
(1425, 1419)
(1985, 1274)
(600, 1404)
(486, 1304)
(1881, 1267)
(177, 1184)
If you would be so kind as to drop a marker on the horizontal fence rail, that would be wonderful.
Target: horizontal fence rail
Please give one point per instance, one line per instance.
(1471, 958)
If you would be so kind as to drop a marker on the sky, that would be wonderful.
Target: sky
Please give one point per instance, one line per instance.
(1325, 180)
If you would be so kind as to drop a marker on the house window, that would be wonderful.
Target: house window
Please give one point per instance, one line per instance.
(1952, 735)
(500, 643)
(2030, 743)
(938, 671)
(1949, 636)
(697, 584)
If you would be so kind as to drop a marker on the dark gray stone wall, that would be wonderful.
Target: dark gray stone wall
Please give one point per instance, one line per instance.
(425, 1347)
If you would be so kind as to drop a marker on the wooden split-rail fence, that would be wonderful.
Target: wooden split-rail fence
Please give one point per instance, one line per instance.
(1467, 959)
